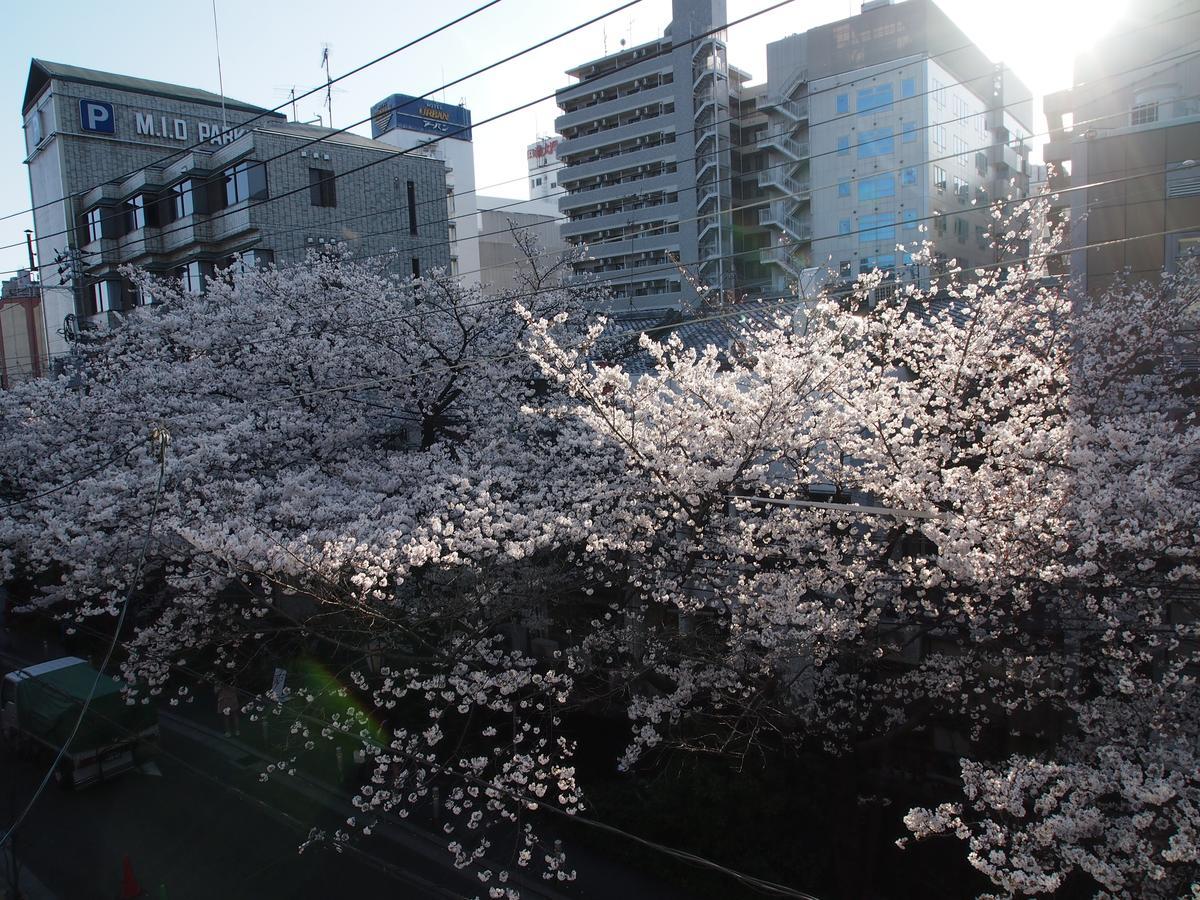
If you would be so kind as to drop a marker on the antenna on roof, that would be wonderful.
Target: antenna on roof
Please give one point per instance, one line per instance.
(294, 116)
(220, 77)
(328, 82)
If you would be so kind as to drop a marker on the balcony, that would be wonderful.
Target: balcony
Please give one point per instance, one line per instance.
(624, 103)
(1008, 161)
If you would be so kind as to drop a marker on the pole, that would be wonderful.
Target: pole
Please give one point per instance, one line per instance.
(29, 248)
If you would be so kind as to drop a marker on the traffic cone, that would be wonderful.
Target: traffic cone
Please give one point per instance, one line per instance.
(130, 888)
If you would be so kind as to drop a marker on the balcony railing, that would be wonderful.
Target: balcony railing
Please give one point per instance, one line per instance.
(789, 146)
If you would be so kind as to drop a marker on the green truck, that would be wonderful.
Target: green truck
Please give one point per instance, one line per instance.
(39, 706)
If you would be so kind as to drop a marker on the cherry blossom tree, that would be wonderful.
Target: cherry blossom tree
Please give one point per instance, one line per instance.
(967, 511)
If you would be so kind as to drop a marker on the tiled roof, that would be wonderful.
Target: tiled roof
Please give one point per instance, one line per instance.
(719, 328)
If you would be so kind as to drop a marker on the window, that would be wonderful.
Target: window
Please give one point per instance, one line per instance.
(843, 145)
(412, 208)
(939, 136)
(875, 143)
(884, 263)
(981, 163)
(981, 235)
(961, 229)
(908, 87)
(909, 218)
(939, 179)
(960, 150)
(248, 181)
(843, 189)
(191, 277)
(873, 98)
(843, 226)
(36, 129)
(416, 267)
(139, 214)
(962, 190)
(842, 103)
(93, 222)
(908, 176)
(1143, 114)
(939, 222)
(876, 187)
(180, 200)
(322, 189)
(939, 92)
(537, 181)
(844, 268)
(910, 132)
(104, 296)
(876, 228)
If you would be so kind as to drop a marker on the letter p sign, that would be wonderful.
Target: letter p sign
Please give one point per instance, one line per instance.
(95, 115)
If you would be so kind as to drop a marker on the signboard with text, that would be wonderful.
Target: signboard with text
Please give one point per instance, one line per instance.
(100, 117)
(424, 116)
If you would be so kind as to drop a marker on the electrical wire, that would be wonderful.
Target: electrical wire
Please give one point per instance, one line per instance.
(676, 265)
(639, 61)
(165, 160)
(160, 439)
(410, 152)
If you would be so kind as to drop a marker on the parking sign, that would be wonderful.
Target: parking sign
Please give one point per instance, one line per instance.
(96, 115)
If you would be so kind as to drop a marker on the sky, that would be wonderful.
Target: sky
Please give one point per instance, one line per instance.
(269, 47)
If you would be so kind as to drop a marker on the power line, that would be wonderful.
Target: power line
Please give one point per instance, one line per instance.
(625, 334)
(291, 100)
(62, 487)
(658, 230)
(607, 74)
(674, 266)
(159, 439)
(403, 153)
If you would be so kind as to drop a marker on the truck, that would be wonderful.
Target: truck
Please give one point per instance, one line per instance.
(40, 704)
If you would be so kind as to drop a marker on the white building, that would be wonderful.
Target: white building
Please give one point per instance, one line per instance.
(542, 156)
(412, 123)
(501, 259)
(889, 128)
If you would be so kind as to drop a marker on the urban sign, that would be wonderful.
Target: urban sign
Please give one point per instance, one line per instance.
(416, 114)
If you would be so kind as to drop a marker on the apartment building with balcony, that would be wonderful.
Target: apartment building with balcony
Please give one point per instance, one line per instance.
(1124, 149)
(180, 181)
(647, 157)
(887, 128)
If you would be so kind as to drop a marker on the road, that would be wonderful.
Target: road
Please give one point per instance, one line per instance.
(192, 833)
(200, 823)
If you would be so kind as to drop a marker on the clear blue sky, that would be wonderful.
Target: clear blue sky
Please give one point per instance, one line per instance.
(268, 46)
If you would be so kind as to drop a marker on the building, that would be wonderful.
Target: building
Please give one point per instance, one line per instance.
(879, 124)
(179, 181)
(647, 156)
(442, 132)
(542, 157)
(890, 127)
(1125, 148)
(22, 330)
(501, 259)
